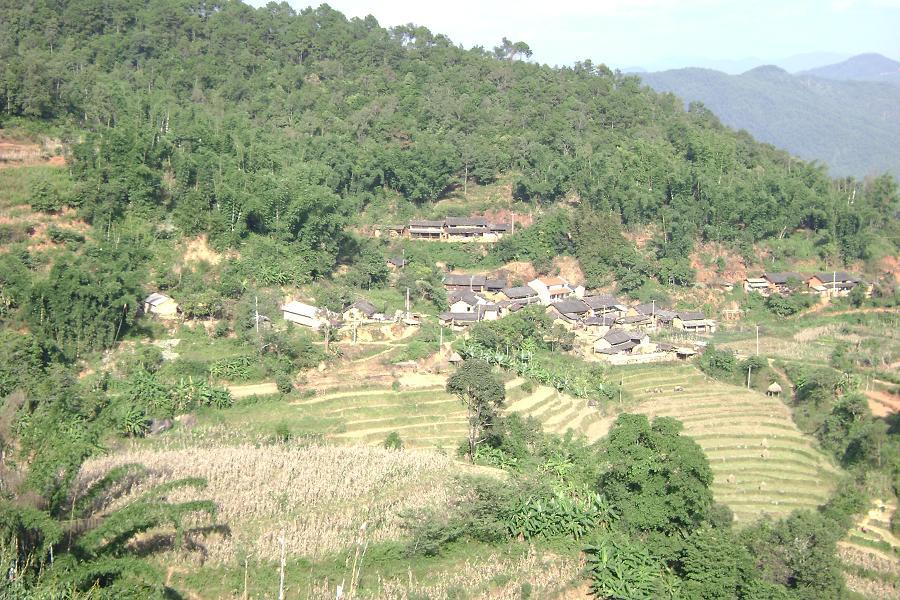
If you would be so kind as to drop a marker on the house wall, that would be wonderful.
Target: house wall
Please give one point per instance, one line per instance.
(311, 322)
(169, 308)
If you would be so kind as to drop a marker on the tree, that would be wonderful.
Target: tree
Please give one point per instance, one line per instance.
(657, 478)
(482, 393)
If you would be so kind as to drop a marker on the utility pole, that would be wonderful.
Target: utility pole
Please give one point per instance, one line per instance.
(441, 346)
(748, 375)
(281, 569)
(407, 303)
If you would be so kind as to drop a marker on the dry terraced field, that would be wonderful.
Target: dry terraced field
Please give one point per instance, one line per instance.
(762, 463)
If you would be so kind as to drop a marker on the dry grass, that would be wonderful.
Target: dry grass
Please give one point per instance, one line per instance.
(319, 496)
(495, 577)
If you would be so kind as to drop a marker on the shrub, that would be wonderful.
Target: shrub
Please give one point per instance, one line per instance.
(393, 441)
(284, 383)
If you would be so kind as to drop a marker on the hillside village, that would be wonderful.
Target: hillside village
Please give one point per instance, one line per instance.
(294, 305)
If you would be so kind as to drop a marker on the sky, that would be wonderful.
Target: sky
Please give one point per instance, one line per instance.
(655, 34)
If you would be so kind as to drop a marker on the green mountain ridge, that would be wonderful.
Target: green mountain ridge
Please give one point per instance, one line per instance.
(852, 126)
(863, 67)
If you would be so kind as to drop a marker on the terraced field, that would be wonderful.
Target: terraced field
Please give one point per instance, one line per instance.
(871, 555)
(762, 463)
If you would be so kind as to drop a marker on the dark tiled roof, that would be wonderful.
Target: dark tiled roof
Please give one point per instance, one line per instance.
(617, 336)
(365, 307)
(466, 221)
(522, 291)
(649, 308)
(500, 227)
(458, 279)
(465, 295)
(495, 284)
(450, 316)
(666, 316)
(398, 262)
(782, 277)
(839, 276)
(575, 307)
(601, 300)
(691, 316)
(634, 319)
(605, 321)
(425, 223)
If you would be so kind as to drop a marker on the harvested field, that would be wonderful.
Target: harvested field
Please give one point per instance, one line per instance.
(318, 496)
(762, 463)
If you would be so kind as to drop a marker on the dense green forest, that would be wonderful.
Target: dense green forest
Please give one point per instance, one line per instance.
(274, 134)
(218, 118)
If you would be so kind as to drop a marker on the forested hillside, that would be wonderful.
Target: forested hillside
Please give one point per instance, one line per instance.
(218, 118)
(850, 126)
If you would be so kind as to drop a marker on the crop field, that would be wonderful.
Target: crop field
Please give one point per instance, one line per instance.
(871, 555)
(326, 503)
(762, 463)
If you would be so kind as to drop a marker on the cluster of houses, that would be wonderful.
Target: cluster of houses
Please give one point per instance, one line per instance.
(450, 229)
(824, 283)
(621, 329)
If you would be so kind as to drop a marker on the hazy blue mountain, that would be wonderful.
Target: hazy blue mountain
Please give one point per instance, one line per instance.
(864, 67)
(852, 126)
(734, 66)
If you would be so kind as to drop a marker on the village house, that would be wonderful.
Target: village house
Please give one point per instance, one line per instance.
(522, 294)
(598, 325)
(397, 262)
(305, 315)
(470, 315)
(637, 322)
(462, 228)
(362, 310)
(550, 289)
(426, 230)
(473, 283)
(758, 285)
(618, 341)
(834, 283)
(160, 305)
(570, 311)
(464, 301)
(693, 322)
(605, 304)
(781, 282)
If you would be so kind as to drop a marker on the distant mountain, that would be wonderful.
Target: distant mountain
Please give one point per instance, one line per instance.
(851, 126)
(864, 67)
(734, 66)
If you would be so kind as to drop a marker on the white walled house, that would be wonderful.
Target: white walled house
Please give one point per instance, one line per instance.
(550, 289)
(304, 314)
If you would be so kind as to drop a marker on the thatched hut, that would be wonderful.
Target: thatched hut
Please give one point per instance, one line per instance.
(774, 389)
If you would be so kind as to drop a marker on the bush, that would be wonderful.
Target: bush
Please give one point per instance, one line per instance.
(393, 441)
(284, 383)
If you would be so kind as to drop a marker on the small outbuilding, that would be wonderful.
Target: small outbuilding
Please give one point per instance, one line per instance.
(160, 305)
(774, 389)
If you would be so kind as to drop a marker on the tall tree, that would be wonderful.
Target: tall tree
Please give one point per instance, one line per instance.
(482, 393)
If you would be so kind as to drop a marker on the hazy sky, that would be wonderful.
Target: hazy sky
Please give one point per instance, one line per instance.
(650, 33)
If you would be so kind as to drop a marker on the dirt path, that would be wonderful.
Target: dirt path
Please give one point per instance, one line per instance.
(882, 403)
(252, 389)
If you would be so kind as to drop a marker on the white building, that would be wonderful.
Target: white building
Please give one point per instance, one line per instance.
(304, 314)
